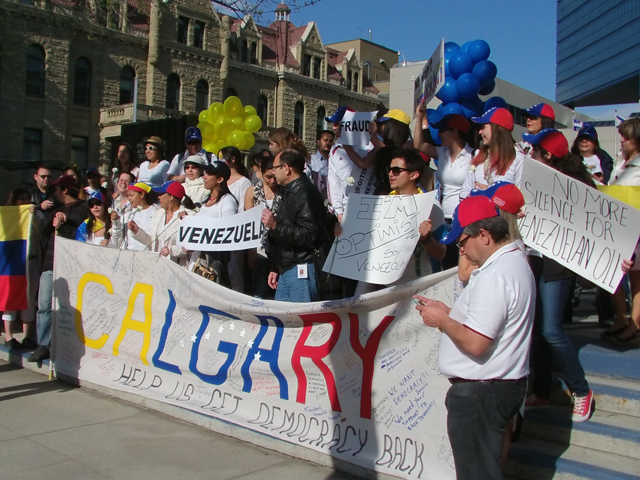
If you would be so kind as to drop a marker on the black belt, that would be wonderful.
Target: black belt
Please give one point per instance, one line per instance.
(455, 380)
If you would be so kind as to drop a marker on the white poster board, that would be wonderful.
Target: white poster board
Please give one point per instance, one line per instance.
(354, 128)
(241, 231)
(578, 226)
(431, 79)
(379, 234)
(354, 379)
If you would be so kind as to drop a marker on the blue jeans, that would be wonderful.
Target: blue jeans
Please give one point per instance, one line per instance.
(45, 301)
(553, 298)
(294, 289)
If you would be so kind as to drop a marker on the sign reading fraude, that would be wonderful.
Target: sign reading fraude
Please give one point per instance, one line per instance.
(355, 379)
(578, 226)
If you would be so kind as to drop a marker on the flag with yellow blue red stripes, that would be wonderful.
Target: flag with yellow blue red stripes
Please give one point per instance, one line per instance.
(15, 225)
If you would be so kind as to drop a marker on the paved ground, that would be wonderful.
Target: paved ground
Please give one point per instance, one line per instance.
(51, 430)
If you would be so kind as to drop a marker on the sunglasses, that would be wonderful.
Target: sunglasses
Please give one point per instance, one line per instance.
(44, 177)
(194, 142)
(462, 243)
(397, 170)
(151, 148)
(275, 167)
(190, 166)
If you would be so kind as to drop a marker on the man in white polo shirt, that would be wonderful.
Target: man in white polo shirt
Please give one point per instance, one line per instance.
(484, 348)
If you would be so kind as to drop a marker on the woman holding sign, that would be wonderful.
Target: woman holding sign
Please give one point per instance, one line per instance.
(555, 287)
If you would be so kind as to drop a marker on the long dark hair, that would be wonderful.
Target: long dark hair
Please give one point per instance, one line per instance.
(92, 218)
(133, 158)
(233, 157)
(571, 165)
(395, 133)
(16, 194)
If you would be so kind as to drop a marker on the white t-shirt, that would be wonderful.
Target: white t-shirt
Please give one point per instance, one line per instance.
(319, 164)
(177, 164)
(512, 175)
(341, 170)
(153, 177)
(498, 303)
(452, 176)
(143, 220)
(593, 164)
(226, 207)
(239, 189)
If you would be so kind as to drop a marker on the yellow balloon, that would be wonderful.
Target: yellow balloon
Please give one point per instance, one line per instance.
(238, 123)
(204, 116)
(235, 138)
(253, 123)
(249, 110)
(210, 147)
(223, 127)
(217, 110)
(250, 140)
(207, 131)
(233, 107)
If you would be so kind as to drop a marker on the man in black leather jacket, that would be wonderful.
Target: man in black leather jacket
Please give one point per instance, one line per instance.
(295, 231)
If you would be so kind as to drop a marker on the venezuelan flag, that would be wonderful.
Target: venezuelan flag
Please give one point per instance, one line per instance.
(628, 195)
(15, 225)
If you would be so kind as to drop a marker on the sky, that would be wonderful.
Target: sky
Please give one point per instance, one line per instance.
(521, 33)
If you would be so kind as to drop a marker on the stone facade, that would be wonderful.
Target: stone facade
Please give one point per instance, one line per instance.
(187, 38)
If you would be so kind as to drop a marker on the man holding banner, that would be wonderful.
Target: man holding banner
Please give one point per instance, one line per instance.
(484, 349)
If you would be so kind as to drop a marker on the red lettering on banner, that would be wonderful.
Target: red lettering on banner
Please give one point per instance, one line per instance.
(367, 354)
(316, 354)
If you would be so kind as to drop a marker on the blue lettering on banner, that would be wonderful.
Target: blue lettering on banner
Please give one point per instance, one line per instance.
(168, 318)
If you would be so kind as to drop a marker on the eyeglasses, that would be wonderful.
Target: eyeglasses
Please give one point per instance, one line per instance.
(462, 243)
(190, 166)
(151, 148)
(194, 142)
(397, 170)
(44, 177)
(278, 166)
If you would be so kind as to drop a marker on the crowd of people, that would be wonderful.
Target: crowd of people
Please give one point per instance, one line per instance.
(476, 170)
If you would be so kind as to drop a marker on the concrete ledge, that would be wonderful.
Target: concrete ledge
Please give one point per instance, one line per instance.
(19, 357)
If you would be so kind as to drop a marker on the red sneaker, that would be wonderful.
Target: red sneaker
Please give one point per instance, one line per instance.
(534, 401)
(583, 407)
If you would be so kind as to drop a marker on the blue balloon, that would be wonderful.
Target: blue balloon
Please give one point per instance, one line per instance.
(433, 115)
(460, 63)
(447, 72)
(487, 88)
(465, 47)
(472, 107)
(449, 91)
(495, 102)
(452, 108)
(451, 48)
(485, 70)
(435, 136)
(439, 109)
(479, 50)
(468, 85)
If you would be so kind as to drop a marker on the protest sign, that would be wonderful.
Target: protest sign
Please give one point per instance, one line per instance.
(379, 234)
(354, 128)
(241, 231)
(427, 84)
(354, 379)
(576, 225)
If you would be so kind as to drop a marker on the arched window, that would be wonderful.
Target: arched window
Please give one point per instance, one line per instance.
(35, 71)
(244, 54)
(262, 108)
(298, 120)
(127, 85)
(82, 83)
(202, 95)
(173, 92)
(254, 53)
(229, 92)
(321, 123)
(349, 81)
(355, 81)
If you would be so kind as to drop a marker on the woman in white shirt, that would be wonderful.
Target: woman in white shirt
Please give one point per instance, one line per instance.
(143, 207)
(154, 171)
(239, 181)
(497, 158)
(194, 181)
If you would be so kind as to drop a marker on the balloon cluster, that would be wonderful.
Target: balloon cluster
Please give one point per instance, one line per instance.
(468, 73)
(228, 124)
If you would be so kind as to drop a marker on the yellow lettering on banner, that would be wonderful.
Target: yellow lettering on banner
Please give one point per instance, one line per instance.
(129, 323)
(106, 283)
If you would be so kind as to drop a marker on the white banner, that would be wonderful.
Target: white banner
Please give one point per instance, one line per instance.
(379, 234)
(578, 226)
(356, 379)
(241, 231)
(431, 79)
(354, 128)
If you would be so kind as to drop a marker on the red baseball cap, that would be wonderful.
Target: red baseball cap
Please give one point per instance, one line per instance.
(65, 181)
(471, 209)
(542, 110)
(455, 121)
(505, 195)
(497, 116)
(551, 140)
(172, 188)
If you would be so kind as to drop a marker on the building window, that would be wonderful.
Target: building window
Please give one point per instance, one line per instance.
(306, 66)
(355, 81)
(173, 92)
(244, 52)
(321, 123)
(183, 30)
(79, 151)
(202, 95)
(198, 34)
(262, 108)
(32, 144)
(35, 71)
(254, 53)
(317, 68)
(298, 120)
(349, 81)
(82, 83)
(229, 92)
(127, 85)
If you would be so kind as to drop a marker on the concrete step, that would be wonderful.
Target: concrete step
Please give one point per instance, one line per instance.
(535, 459)
(604, 432)
(19, 357)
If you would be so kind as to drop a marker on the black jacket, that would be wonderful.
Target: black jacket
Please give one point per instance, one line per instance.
(300, 228)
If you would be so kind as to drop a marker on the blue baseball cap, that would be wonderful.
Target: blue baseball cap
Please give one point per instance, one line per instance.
(505, 195)
(172, 188)
(92, 170)
(542, 110)
(469, 210)
(496, 115)
(96, 196)
(193, 133)
(338, 114)
(588, 130)
(551, 140)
